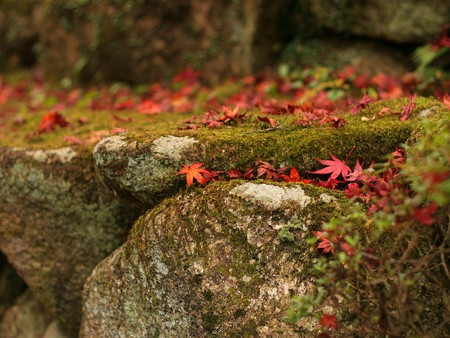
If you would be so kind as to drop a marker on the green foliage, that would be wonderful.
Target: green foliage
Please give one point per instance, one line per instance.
(389, 274)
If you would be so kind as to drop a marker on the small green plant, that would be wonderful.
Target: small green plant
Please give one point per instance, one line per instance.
(386, 269)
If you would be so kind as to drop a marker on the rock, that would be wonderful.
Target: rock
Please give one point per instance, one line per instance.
(26, 319)
(19, 22)
(137, 41)
(411, 21)
(145, 171)
(11, 286)
(57, 221)
(142, 166)
(210, 262)
(367, 57)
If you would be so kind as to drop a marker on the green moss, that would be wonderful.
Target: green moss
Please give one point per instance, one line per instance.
(285, 235)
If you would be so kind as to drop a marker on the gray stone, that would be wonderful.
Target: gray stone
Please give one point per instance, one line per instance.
(208, 263)
(146, 171)
(57, 221)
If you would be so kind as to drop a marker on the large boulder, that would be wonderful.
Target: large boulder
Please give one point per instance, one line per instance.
(410, 21)
(57, 221)
(141, 41)
(220, 261)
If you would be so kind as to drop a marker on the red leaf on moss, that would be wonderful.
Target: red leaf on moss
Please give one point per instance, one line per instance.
(194, 171)
(329, 321)
(408, 109)
(363, 103)
(267, 170)
(294, 176)
(51, 120)
(273, 123)
(335, 167)
(331, 183)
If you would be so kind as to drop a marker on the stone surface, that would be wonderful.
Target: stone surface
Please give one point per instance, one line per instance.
(367, 57)
(209, 262)
(11, 286)
(145, 171)
(410, 21)
(57, 221)
(26, 319)
(139, 41)
(19, 22)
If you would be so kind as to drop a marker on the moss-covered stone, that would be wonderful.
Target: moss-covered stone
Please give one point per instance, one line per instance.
(140, 41)
(209, 262)
(133, 157)
(57, 222)
(411, 21)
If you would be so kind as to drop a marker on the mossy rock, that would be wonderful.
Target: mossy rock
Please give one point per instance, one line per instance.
(57, 221)
(212, 262)
(140, 41)
(411, 21)
(28, 318)
(142, 165)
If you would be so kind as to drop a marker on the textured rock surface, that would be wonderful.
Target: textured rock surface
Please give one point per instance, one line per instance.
(410, 21)
(11, 286)
(210, 262)
(19, 22)
(367, 57)
(147, 171)
(140, 41)
(26, 319)
(57, 222)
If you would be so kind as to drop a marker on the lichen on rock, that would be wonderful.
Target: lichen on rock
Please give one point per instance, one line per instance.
(147, 171)
(57, 221)
(210, 263)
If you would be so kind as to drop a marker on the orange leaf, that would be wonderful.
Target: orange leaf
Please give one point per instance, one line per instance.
(194, 171)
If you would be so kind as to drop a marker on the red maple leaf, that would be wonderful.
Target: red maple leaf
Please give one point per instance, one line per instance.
(353, 190)
(273, 123)
(294, 176)
(408, 109)
(267, 170)
(51, 120)
(231, 115)
(358, 173)
(325, 244)
(363, 103)
(194, 171)
(329, 321)
(335, 167)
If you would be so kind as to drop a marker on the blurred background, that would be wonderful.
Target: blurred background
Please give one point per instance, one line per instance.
(141, 41)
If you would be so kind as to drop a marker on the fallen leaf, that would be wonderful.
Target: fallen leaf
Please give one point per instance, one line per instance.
(329, 321)
(335, 167)
(194, 171)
